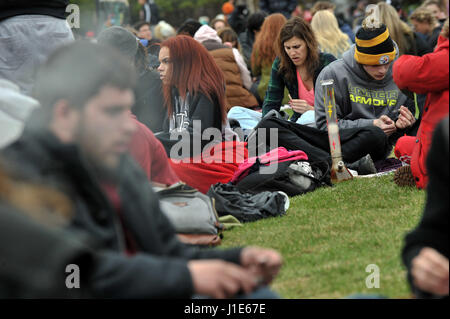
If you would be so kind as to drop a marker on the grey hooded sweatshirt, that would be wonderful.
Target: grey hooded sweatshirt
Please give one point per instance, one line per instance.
(359, 98)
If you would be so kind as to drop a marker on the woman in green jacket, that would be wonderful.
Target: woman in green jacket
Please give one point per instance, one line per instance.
(297, 68)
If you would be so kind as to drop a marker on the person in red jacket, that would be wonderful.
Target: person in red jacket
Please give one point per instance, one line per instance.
(149, 153)
(427, 74)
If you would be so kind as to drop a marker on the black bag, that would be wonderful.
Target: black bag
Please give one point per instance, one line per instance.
(247, 207)
(292, 177)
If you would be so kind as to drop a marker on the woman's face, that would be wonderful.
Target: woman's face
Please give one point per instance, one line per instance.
(297, 50)
(165, 66)
(436, 11)
(219, 25)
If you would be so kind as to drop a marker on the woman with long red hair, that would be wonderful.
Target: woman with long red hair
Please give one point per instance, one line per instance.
(194, 89)
(194, 93)
(264, 52)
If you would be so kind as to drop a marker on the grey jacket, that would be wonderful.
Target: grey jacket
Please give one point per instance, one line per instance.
(359, 98)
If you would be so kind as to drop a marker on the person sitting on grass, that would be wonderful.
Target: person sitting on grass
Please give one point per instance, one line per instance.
(78, 141)
(426, 250)
(366, 99)
(234, 69)
(148, 105)
(248, 37)
(194, 93)
(264, 53)
(365, 92)
(427, 74)
(297, 68)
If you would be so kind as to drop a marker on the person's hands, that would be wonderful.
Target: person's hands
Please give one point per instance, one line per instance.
(386, 124)
(300, 106)
(405, 118)
(429, 270)
(220, 279)
(264, 263)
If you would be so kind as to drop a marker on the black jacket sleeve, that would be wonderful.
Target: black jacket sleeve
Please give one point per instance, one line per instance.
(34, 257)
(203, 114)
(432, 230)
(160, 269)
(141, 276)
(422, 46)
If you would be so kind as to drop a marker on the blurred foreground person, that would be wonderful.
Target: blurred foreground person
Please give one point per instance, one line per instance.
(15, 108)
(78, 142)
(426, 75)
(426, 252)
(35, 250)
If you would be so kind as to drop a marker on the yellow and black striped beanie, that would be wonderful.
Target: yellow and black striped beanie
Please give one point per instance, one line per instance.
(374, 46)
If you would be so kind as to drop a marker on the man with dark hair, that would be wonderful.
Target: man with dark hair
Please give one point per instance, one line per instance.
(78, 143)
(247, 38)
(285, 7)
(143, 30)
(238, 18)
(149, 101)
(28, 34)
(145, 35)
(189, 27)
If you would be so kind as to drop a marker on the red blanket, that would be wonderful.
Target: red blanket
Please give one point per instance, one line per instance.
(217, 165)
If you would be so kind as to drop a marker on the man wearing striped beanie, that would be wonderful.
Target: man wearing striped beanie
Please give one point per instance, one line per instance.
(365, 92)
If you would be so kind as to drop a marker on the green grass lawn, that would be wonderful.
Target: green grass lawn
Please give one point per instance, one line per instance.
(329, 236)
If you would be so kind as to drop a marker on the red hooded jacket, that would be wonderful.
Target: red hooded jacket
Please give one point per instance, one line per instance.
(426, 74)
(149, 153)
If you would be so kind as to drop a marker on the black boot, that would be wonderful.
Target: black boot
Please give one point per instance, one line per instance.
(364, 166)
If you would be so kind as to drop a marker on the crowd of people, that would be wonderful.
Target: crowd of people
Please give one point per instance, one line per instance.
(89, 127)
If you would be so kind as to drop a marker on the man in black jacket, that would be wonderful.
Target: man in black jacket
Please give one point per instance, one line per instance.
(78, 143)
(35, 265)
(28, 34)
(285, 7)
(247, 38)
(426, 248)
